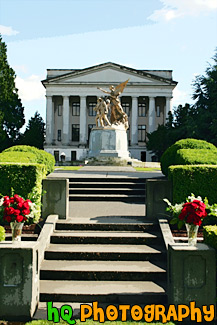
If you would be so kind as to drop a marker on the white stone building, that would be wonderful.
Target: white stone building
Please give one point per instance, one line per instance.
(72, 94)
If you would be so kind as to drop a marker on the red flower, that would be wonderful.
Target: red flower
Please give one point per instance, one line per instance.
(19, 218)
(25, 212)
(8, 218)
(193, 212)
(6, 201)
(16, 212)
(25, 205)
(18, 199)
(12, 200)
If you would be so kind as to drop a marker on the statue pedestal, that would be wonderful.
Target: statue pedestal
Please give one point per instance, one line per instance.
(110, 141)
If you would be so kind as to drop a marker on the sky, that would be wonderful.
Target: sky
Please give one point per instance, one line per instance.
(178, 35)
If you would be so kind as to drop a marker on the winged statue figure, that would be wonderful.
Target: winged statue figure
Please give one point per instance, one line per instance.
(118, 116)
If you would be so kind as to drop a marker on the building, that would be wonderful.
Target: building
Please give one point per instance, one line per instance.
(72, 94)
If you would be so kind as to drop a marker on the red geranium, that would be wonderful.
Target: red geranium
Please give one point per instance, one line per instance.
(17, 209)
(193, 212)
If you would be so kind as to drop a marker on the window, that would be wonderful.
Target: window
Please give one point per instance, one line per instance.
(59, 108)
(56, 155)
(75, 109)
(158, 111)
(90, 109)
(142, 133)
(143, 155)
(58, 135)
(75, 132)
(142, 109)
(73, 155)
(126, 108)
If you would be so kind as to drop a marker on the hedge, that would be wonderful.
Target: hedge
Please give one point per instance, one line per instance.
(41, 156)
(170, 155)
(210, 236)
(17, 157)
(23, 179)
(198, 179)
(196, 156)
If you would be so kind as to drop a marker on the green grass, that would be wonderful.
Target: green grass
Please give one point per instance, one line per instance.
(91, 322)
(147, 169)
(68, 168)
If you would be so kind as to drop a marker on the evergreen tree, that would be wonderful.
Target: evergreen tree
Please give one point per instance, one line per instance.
(34, 134)
(205, 94)
(11, 109)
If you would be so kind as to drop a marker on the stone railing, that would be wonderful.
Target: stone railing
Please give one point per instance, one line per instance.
(191, 271)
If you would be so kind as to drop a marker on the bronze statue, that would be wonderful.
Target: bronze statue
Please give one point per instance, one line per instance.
(102, 108)
(118, 116)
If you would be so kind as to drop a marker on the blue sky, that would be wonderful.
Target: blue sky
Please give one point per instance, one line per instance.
(145, 34)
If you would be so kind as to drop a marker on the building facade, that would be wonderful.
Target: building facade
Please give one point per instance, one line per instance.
(72, 95)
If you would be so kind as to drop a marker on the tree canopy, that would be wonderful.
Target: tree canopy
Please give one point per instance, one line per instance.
(198, 121)
(11, 109)
(34, 134)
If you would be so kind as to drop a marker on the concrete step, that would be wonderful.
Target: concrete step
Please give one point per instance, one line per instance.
(124, 292)
(101, 270)
(110, 252)
(107, 179)
(108, 185)
(107, 191)
(105, 237)
(107, 197)
(75, 225)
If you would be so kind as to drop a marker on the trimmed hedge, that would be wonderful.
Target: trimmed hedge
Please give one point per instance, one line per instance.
(196, 156)
(210, 236)
(23, 179)
(198, 179)
(41, 156)
(17, 157)
(169, 157)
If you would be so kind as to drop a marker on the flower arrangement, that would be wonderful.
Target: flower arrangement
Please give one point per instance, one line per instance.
(16, 209)
(193, 211)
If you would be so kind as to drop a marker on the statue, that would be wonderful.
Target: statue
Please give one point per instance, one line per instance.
(118, 116)
(102, 108)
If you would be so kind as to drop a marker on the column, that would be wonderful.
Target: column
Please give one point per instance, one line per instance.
(134, 121)
(83, 120)
(151, 115)
(168, 107)
(66, 119)
(49, 120)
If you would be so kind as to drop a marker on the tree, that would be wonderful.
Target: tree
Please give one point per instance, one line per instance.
(180, 124)
(11, 109)
(205, 94)
(34, 134)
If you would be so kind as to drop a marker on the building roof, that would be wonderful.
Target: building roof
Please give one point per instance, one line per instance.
(159, 75)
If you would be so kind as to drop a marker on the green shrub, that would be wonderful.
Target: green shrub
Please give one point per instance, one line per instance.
(42, 157)
(2, 233)
(198, 179)
(210, 236)
(195, 157)
(24, 180)
(17, 157)
(170, 155)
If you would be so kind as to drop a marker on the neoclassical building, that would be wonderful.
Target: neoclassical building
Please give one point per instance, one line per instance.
(72, 94)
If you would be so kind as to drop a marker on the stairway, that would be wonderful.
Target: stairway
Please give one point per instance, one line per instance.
(109, 259)
(109, 263)
(107, 189)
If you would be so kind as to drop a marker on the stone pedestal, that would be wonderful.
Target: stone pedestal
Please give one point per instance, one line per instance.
(109, 142)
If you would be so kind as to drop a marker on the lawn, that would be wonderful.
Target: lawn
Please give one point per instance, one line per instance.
(147, 169)
(68, 168)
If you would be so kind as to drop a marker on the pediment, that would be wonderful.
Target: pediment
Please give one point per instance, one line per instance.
(103, 75)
